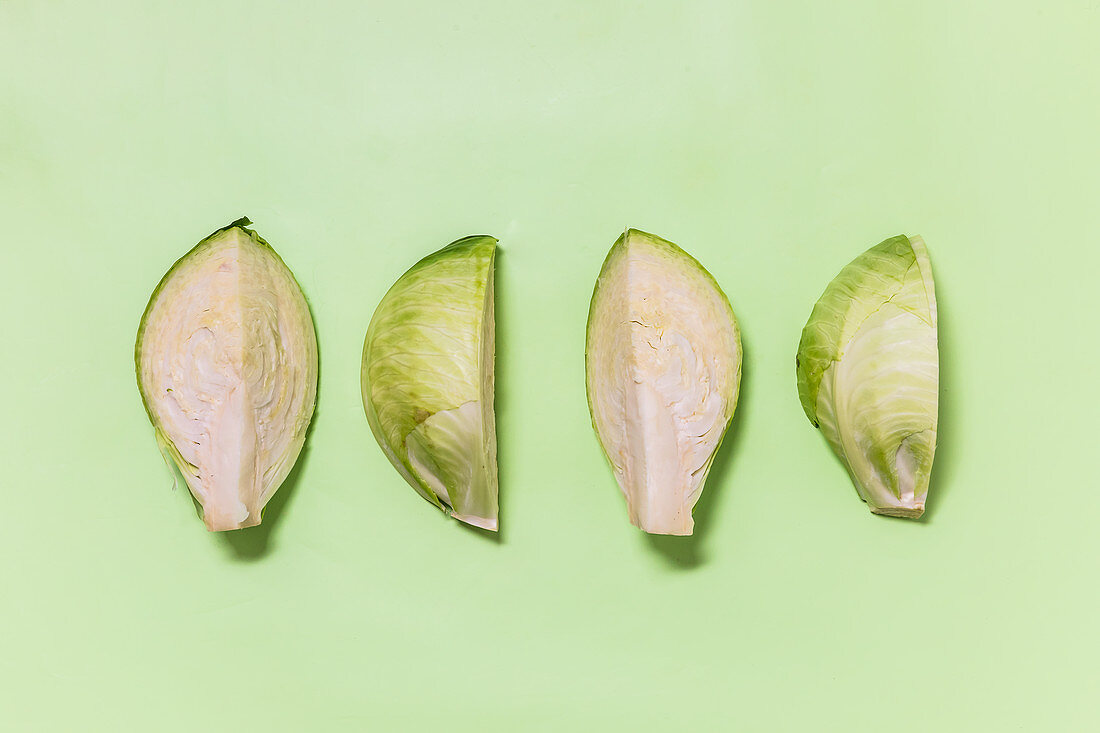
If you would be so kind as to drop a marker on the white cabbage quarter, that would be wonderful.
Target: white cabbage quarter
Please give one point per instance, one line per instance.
(663, 367)
(427, 379)
(868, 373)
(227, 368)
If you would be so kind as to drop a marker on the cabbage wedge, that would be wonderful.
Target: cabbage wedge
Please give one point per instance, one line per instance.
(427, 379)
(663, 368)
(868, 373)
(227, 368)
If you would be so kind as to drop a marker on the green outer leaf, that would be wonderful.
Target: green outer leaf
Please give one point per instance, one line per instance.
(888, 404)
(861, 288)
(423, 356)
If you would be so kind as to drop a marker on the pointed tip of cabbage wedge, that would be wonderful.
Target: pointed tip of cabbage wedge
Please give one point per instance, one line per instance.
(226, 359)
(427, 379)
(868, 373)
(663, 367)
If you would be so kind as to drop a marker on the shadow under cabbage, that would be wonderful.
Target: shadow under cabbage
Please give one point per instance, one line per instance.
(254, 543)
(944, 463)
(689, 551)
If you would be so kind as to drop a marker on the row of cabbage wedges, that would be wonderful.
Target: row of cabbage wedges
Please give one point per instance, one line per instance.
(227, 369)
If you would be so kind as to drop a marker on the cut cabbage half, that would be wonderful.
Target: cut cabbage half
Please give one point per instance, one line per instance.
(227, 368)
(427, 379)
(663, 367)
(868, 373)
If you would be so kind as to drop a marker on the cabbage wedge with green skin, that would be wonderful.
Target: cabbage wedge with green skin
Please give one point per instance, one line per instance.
(663, 367)
(868, 373)
(427, 379)
(227, 368)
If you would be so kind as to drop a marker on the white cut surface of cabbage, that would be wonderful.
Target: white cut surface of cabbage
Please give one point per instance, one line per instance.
(227, 368)
(868, 373)
(428, 381)
(663, 368)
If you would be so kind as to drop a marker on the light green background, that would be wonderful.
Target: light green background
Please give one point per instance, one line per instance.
(775, 142)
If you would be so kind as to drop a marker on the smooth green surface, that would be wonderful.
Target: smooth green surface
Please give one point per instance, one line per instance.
(868, 371)
(427, 379)
(774, 142)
